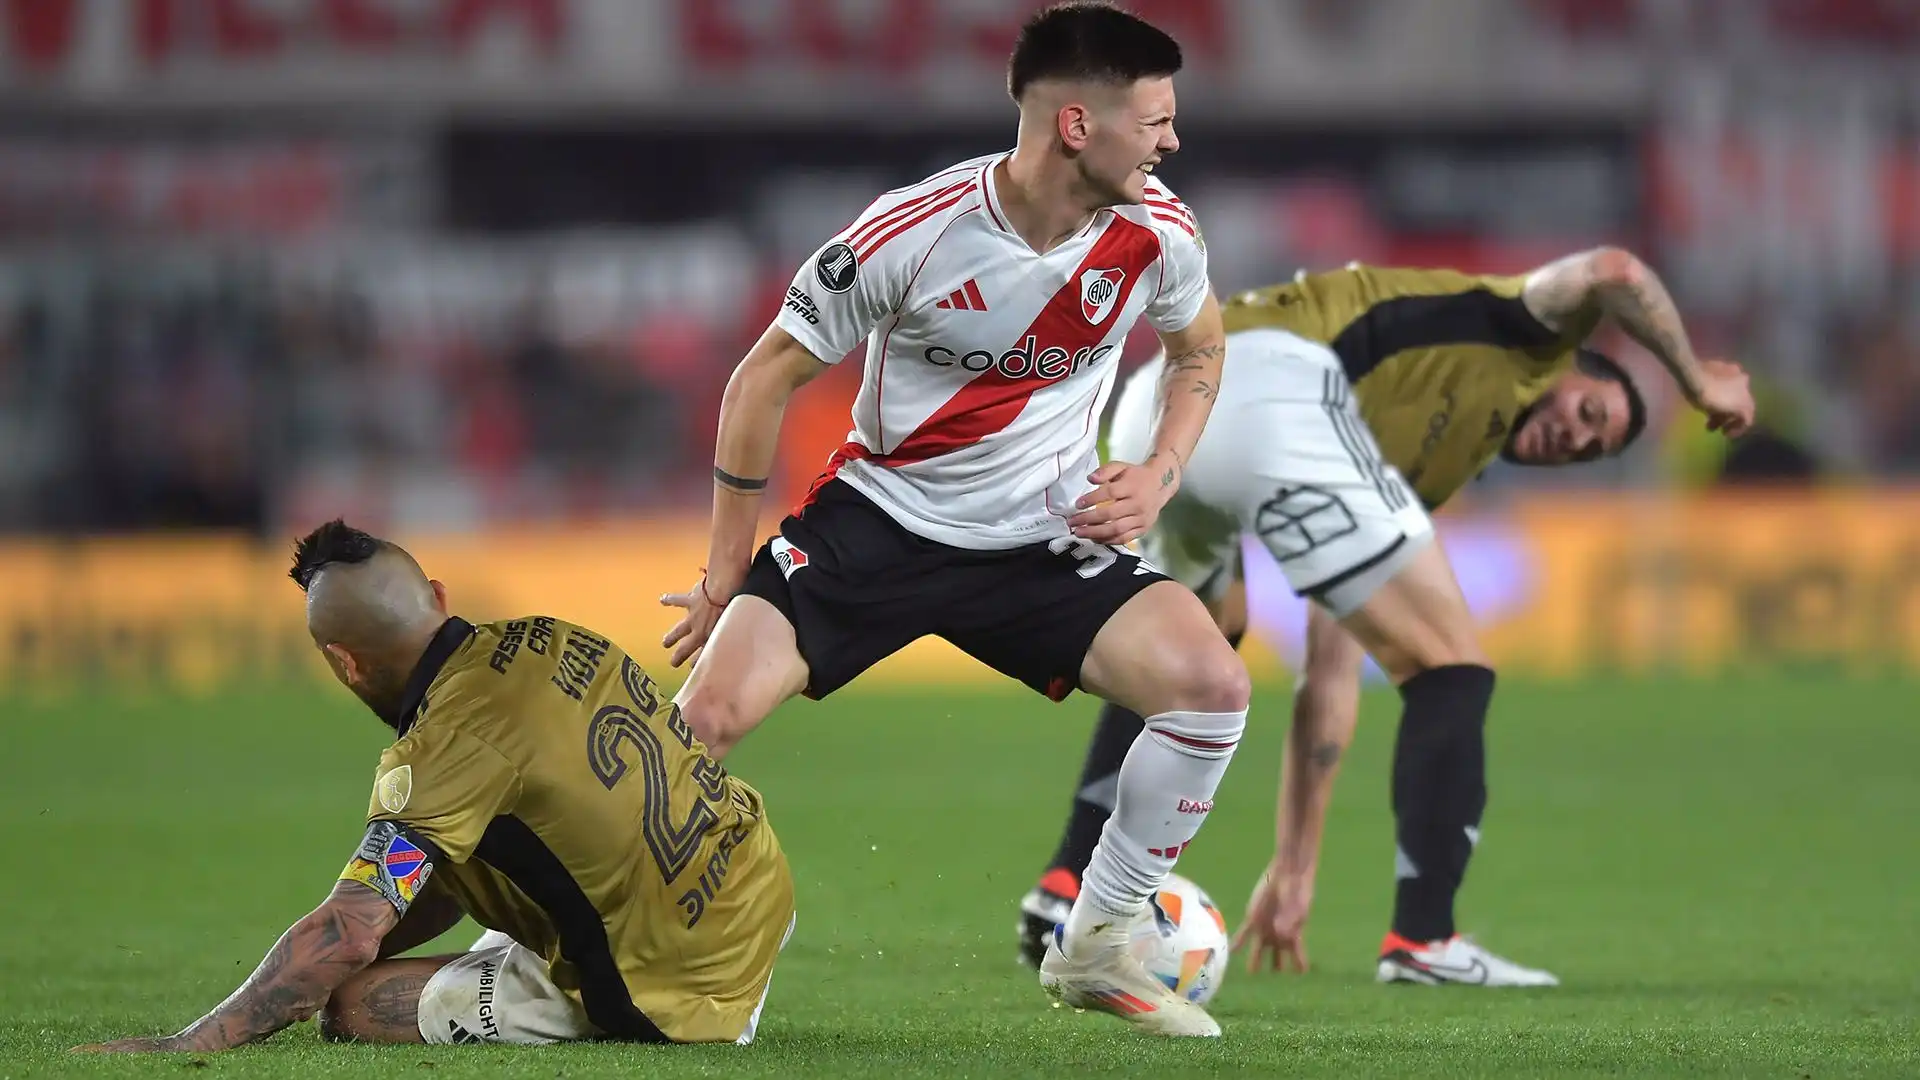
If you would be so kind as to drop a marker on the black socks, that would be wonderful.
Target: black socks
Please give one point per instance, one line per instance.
(1439, 793)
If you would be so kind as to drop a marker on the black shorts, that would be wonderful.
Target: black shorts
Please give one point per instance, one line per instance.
(858, 588)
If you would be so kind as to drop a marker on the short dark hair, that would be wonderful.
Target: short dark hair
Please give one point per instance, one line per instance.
(1086, 40)
(1598, 365)
(334, 542)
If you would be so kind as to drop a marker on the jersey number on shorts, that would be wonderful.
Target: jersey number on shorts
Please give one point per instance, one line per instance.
(1094, 558)
(673, 845)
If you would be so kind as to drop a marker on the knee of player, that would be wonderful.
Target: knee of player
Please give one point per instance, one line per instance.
(1212, 679)
(716, 719)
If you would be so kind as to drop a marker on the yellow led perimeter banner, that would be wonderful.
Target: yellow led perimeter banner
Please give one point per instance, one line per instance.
(1815, 579)
(1564, 586)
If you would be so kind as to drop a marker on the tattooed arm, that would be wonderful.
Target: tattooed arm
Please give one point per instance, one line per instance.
(1188, 385)
(304, 967)
(1128, 497)
(1610, 281)
(1326, 709)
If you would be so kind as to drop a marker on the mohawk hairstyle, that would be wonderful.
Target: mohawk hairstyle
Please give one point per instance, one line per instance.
(334, 542)
(1596, 364)
(1089, 41)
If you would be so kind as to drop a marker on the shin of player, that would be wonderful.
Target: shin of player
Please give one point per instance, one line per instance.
(1166, 782)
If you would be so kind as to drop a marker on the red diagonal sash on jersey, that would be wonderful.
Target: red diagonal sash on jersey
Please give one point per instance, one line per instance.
(991, 400)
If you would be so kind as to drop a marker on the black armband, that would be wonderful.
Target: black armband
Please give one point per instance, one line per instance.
(738, 483)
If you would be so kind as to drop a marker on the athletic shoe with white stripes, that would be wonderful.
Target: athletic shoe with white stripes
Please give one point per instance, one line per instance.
(1110, 980)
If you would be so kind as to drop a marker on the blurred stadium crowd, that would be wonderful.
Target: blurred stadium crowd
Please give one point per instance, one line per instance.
(456, 262)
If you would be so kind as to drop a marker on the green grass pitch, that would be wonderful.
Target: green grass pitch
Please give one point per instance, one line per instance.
(1725, 876)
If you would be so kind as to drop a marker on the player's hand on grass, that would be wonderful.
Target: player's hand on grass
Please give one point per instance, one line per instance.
(1276, 922)
(1725, 397)
(1126, 500)
(152, 1045)
(703, 604)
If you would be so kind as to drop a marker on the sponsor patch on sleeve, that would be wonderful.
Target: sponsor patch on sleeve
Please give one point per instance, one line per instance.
(802, 305)
(392, 863)
(837, 268)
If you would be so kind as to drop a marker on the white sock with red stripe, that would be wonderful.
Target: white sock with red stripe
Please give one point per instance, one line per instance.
(1166, 790)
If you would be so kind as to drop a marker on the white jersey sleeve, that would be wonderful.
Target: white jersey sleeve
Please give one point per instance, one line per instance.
(861, 275)
(834, 302)
(1183, 284)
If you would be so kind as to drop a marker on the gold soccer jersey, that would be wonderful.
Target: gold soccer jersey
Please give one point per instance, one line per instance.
(542, 778)
(1442, 363)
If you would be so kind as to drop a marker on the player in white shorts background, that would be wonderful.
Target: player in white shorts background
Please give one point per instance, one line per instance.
(1335, 384)
(1292, 461)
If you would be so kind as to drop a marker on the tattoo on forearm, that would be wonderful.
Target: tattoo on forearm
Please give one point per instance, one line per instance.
(1326, 756)
(745, 485)
(302, 969)
(1185, 366)
(1648, 314)
(1174, 466)
(1194, 359)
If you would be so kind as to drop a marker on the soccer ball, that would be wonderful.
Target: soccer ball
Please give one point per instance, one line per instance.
(1181, 939)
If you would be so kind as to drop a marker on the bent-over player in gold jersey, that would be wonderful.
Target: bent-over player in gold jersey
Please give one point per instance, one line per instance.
(1352, 403)
(541, 783)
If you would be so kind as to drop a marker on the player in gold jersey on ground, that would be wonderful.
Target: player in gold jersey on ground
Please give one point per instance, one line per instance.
(542, 784)
(1352, 403)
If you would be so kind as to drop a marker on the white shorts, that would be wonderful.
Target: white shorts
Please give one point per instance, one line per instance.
(1286, 457)
(498, 991)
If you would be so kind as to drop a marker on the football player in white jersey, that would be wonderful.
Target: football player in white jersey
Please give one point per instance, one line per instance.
(969, 501)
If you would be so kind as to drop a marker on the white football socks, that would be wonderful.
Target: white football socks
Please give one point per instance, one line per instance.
(1166, 790)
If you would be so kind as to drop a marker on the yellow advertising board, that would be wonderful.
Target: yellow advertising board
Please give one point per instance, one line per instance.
(1702, 585)
(202, 613)
(1566, 586)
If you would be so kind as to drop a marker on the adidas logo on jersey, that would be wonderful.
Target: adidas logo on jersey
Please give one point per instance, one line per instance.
(1023, 361)
(965, 298)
